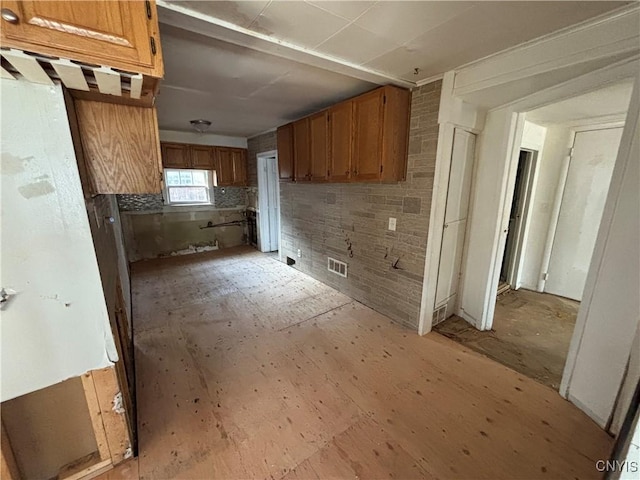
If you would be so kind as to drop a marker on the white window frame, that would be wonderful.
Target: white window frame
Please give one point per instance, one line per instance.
(211, 182)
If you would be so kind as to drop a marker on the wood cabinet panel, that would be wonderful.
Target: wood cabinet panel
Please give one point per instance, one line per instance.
(367, 151)
(224, 166)
(301, 150)
(319, 146)
(340, 141)
(118, 34)
(175, 155)
(239, 159)
(397, 110)
(121, 147)
(285, 152)
(202, 157)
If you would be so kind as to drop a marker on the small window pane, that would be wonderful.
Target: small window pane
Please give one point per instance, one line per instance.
(185, 177)
(188, 195)
(199, 177)
(173, 177)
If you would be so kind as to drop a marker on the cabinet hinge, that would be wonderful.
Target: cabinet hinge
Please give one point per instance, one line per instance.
(147, 4)
(153, 45)
(328, 173)
(571, 152)
(381, 168)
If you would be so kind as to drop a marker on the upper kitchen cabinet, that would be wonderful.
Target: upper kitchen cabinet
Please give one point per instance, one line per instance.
(239, 161)
(285, 152)
(319, 146)
(175, 155)
(301, 151)
(231, 166)
(363, 139)
(119, 34)
(121, 147)
(202, 157)
(368, 120)
(340, 141)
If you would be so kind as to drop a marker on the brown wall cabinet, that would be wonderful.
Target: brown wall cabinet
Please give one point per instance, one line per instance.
(230, 164)
(119, 34)
(121, 147)
(364, 139)
(285, 152)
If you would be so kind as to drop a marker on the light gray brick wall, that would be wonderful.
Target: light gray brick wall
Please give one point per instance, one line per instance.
(262, 143)
(349, 222)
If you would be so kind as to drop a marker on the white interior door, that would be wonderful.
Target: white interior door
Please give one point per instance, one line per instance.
(54, 323)
(269, 211)
(585, 192)
(455, 221)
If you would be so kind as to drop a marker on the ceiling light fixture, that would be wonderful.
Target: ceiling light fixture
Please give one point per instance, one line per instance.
(200, 125)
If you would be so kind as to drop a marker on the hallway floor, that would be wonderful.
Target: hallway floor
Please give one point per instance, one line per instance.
(247, 368)
(531, 333)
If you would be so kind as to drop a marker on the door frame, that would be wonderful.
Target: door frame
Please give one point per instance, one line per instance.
(557, 203)
(262, 179)
(516, 262)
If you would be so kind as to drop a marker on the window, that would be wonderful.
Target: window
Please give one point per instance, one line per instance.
(188, 187)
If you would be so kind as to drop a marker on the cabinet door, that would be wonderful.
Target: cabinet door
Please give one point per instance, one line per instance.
(301, 150)
(202, 157)
(285, 152)
(319, 146)
(367, 154)
(121, 147)
(340, 141)
(239, 159)
(175, 155)
(117, 34)
(224, 166)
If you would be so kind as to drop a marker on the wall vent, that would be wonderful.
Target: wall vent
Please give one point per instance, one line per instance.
(336, 266)
(439, 314)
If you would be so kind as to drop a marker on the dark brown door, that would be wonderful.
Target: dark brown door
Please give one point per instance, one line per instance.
(319, 146)
(367, 155)
(202, 157)
(301, 150)
(285, 152)
(340, 141)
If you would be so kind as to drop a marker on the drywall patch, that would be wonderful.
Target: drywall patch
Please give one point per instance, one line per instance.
(36, 189)
(12, 165)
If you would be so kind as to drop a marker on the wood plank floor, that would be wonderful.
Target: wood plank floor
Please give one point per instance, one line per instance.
(249, 369)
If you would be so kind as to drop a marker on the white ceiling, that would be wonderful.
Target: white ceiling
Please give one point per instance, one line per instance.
(610, 101)
(241, 91)
(244, 92)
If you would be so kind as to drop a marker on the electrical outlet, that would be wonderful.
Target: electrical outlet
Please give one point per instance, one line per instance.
(392, 224)
(299, 253)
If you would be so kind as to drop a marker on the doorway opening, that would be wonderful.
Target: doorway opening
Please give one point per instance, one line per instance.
(517, 221)
(268, 212)
(559, 182)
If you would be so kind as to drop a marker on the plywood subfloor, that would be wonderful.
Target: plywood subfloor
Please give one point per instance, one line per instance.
(249, 369)
(531, 333)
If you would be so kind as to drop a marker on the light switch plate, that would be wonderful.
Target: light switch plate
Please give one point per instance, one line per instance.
(392, 224)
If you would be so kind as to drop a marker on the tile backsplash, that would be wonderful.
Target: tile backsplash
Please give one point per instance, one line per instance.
(224, 197)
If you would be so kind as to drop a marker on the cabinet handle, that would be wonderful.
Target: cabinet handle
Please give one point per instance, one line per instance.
(153, 45)
(9, 16)
(355, 172)
(147, 4)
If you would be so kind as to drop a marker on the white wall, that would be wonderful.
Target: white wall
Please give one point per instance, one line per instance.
(202, 139)
(551, 162)
(610, 312)
(497, 152)
(56, 325)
